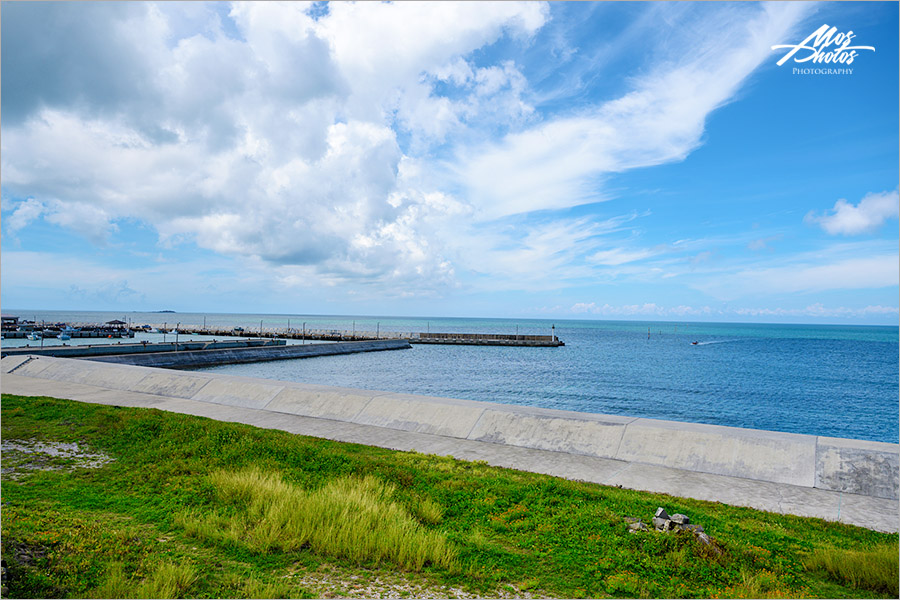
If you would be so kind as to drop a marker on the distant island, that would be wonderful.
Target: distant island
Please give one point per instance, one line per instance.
(163, 311)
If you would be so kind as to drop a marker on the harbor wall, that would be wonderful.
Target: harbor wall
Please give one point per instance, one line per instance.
(191, 359)
(842, 465)
(83, 351)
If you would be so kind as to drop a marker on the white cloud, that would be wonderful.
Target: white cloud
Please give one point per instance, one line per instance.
(647, 309)
(619, 256)
(23, 214)
(279, 144)
(815, 310)
(90, 221)
(819, 310)
(869, 272)
(558, 164)
(849, 219)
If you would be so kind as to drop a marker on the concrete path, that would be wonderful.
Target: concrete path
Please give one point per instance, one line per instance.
(372, 418)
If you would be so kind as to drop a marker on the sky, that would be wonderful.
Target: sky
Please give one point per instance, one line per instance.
(607, 160)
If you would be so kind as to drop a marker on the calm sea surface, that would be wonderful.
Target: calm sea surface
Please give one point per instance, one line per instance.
(839, 381)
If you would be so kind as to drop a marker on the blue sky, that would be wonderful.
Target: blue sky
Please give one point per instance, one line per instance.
(576, 160)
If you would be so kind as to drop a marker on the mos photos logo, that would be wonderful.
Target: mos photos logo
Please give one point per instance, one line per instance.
(824, 46)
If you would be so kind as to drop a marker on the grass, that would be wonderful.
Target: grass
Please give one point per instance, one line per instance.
(166, 580)
(349, 517)
(191, 507)
(875, 569)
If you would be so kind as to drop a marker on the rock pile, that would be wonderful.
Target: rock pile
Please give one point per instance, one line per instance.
(677, 522)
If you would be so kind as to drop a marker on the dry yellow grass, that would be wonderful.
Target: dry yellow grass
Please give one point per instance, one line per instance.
(350, 517)
(167, 580)
(875, 569)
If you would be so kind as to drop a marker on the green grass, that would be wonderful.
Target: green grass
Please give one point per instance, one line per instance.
(192, 507)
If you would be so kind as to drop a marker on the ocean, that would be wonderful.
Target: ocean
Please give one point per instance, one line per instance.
(830, 380)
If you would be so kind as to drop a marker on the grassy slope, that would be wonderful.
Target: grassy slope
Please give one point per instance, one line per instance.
(120, 529)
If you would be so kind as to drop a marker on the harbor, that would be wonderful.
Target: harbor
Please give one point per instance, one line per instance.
(12, 328)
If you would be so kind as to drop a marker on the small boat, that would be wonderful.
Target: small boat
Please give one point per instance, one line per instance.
(695, 343)
(64, 336)
(34, 336)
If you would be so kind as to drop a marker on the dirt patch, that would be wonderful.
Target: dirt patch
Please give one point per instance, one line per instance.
(22, 456)
(330, 581)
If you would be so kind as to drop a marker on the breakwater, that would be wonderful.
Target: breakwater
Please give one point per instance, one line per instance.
(188, 355)
(342, 335)
(84, 351)
(486, 339)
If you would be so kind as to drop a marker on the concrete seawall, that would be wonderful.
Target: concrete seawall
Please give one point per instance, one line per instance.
(84, 351)
(189, 355)
(226, 356)
(834, 470)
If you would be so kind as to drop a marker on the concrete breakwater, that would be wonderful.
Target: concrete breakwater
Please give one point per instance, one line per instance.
(486, 339)
(343, 335)
(84, 351)
(207, 358)
(853, 481)
(187, 355)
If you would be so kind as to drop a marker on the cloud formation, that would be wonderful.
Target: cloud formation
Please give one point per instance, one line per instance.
(558, 164)
(854, 219)
(279, 140)
(852, 273)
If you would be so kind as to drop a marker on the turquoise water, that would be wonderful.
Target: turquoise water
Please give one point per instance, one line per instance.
(839, 381)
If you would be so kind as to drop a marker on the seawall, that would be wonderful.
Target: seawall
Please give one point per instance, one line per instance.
(802, 474)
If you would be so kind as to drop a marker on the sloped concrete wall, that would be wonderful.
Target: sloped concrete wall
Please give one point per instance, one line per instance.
(851, 466)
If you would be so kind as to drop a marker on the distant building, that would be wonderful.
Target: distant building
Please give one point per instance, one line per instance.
(10, 323)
